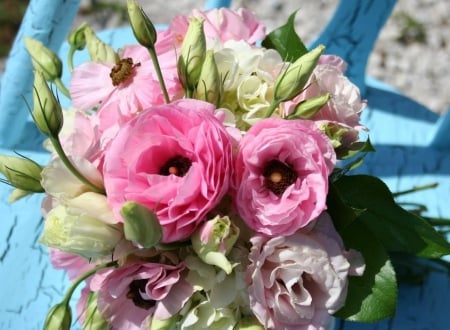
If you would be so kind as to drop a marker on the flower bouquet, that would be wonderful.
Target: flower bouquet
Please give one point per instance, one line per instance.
(202, 180)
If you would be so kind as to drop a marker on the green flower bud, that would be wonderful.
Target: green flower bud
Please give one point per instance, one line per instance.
(21, 173)
(209, 87)
(142, 26)
(167, 324)
(77, 39)
(97, 49)
(44, 59)
(249, 323)
(141, 225)
(79, 233)
(290, 83)
(193, 52)
(93, 320)
(47, 113)
(214, 240)
(310, 107)
(59, 317)
(18, 194)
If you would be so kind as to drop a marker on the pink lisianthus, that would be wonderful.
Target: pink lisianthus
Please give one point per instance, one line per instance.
(296, 282)
(128, 296)
(281, 180)
(176, 160)
(223, 25)
(73, 264)
(345, 106)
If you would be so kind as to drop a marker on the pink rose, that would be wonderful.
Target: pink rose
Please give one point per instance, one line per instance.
(223, 24)
(296, 282)
(176, 160)
(129, 295)
(282, 171)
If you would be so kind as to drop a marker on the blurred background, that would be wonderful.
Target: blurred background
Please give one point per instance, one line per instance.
(412, 53)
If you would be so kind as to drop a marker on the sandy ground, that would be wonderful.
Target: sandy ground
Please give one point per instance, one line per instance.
(420, 70)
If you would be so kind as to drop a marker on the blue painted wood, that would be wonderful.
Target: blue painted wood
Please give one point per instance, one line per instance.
(410, 151)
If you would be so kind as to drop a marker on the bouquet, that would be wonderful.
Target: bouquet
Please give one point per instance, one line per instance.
(202, 180)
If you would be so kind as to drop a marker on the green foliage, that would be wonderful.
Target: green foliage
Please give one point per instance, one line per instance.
(286, 41)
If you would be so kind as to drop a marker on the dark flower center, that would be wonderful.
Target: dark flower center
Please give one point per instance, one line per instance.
(136, 287)
(177, 165)
(278, 176)
(122, 71)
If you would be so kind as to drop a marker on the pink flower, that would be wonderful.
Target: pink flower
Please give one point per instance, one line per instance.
(176, 160)
(345, 106)
(282, 171)
(223, 24)
(73, 264)
(129, 295)
(123, 89)
(296, 282)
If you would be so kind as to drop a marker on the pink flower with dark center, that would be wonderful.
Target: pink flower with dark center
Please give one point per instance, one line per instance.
(296, 282)
(281, 180)
(129, 295)
(176, 160)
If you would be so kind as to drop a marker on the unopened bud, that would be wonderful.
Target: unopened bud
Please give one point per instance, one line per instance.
(92, 319)
(142, 26)
(44, 59)
(77, 39)
(193, 52)
(141, 225)
(209, 87)
(214, 240)
(47, 113)
(97, 49)
(310, 107)
(22, 173)
(249, 323)
(59, 317)
(291, 82)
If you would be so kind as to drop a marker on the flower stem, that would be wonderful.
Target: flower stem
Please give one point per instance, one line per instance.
(271, 109)
(159, 73)
(415, 189)
(70, 57)
(83, 277)
(62, 155)
(62, 88)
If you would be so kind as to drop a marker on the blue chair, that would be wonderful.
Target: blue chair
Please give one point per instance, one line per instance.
(412, 149)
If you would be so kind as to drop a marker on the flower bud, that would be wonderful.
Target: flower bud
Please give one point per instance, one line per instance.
(309, 108)
(209, 87)
(97, 49)
(77, 39)
(249, 323)
(21, 173)
(167, 324)
(214, 240)
(141, 225)
(47, 113)
(193, 52)
(91, 315)
(291, 82)
(59, 317)
(142, 26)
(17, 194)
(44, 59)
(79, 233)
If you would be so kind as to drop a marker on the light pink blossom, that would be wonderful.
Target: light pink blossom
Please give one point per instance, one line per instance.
(345, 106)
(282, 170)
(129, 295)
(222, 25)
(176, 160)
(296, 282)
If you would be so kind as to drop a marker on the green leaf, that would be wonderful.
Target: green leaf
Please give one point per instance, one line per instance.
(286, 41)
(372, 296)
(343, 215)
(397, 229)
(141, 225)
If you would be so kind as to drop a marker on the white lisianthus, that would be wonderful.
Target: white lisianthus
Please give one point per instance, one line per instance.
(79, 233)
(60, 183)
(94, 204)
